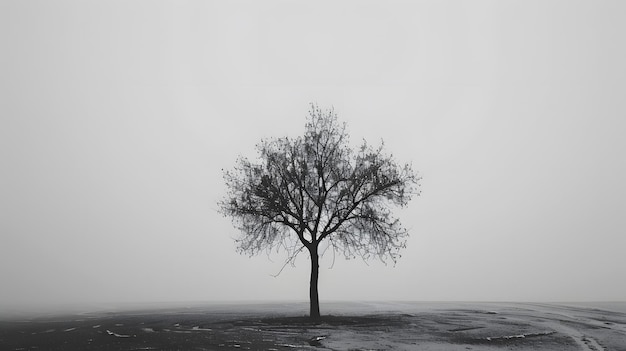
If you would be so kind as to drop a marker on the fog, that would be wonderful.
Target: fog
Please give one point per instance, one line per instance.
(117, 117)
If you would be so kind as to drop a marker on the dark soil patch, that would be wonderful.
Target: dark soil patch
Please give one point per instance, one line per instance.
(330, 320)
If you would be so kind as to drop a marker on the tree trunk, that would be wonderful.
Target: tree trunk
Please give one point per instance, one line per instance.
(313, 295)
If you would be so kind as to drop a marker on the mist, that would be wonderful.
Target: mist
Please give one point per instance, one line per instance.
(117, 119)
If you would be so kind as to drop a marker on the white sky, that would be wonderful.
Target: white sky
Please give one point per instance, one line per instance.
(117, 118)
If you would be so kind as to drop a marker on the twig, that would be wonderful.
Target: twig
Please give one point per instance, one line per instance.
(290, 259)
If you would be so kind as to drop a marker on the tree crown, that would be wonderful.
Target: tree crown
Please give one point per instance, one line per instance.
(315, 187)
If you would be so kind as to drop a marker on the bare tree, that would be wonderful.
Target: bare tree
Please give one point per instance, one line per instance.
(314, 189)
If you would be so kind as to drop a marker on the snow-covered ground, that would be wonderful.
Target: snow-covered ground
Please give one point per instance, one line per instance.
(345, 326)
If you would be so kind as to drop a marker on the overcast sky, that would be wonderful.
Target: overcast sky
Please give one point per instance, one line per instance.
(117, 118)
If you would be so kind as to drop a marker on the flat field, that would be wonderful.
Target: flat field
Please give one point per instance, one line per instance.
(345, 326)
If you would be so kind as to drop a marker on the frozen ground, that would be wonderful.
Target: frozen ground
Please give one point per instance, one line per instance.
(346, 326)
